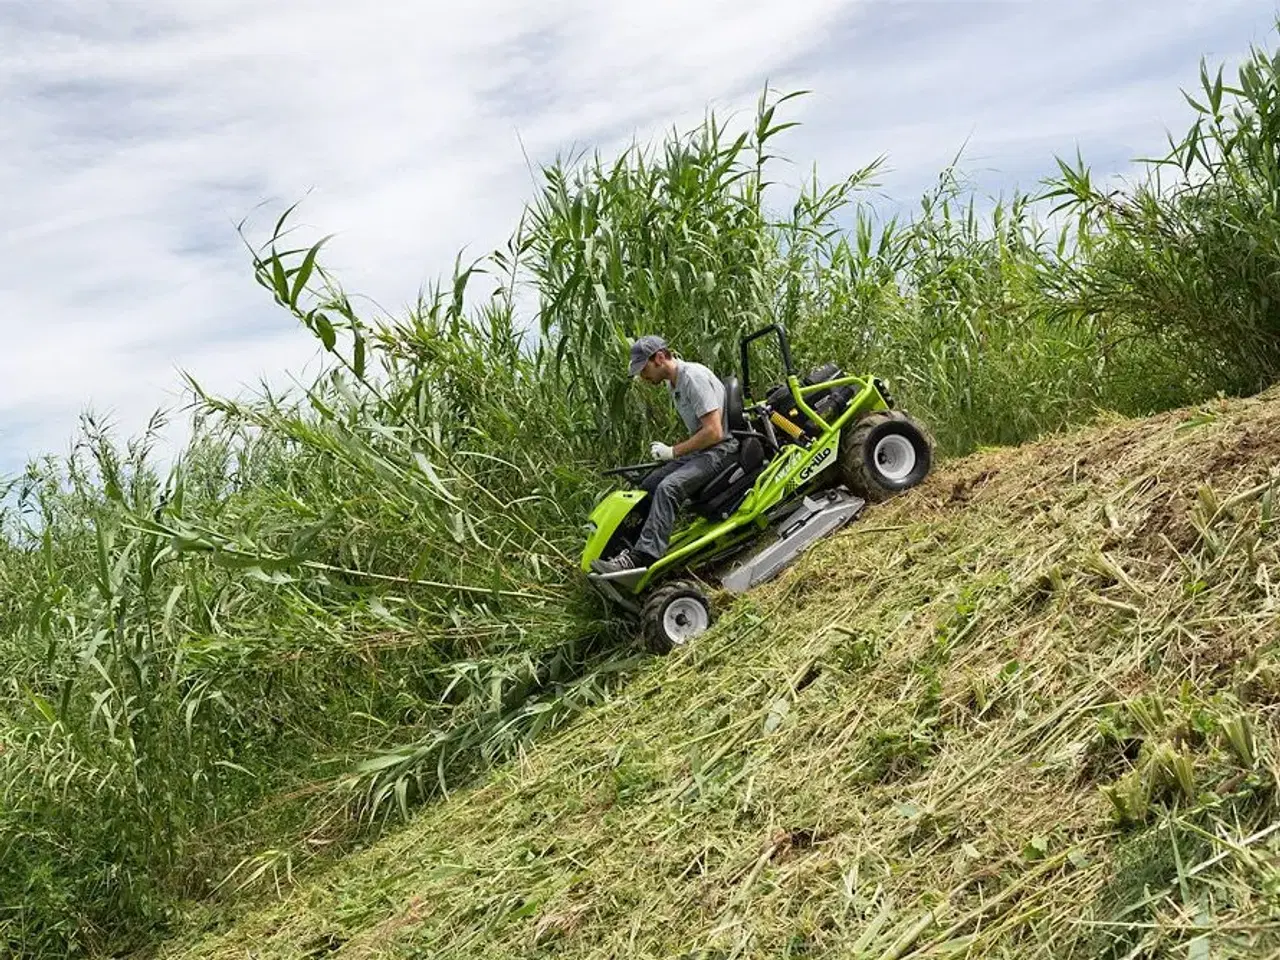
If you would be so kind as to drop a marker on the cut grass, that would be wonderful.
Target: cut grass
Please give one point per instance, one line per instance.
(1027, 710)
(347, 600)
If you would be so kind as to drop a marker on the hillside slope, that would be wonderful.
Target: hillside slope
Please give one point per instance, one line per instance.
(1027, 710)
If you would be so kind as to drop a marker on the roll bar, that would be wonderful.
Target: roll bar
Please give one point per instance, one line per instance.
(783, 345)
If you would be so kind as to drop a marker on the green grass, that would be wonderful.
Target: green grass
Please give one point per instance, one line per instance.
(350, 601)
(905, 747)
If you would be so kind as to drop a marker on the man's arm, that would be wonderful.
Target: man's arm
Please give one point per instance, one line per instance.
(709, 434)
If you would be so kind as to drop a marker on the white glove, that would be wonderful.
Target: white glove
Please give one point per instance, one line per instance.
(660, 451)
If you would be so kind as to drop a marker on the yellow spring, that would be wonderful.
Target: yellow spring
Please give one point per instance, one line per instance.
(785, 425)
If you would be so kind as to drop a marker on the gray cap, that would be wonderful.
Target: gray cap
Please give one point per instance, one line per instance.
(643, 349)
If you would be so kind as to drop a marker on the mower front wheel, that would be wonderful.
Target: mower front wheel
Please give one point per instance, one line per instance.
(673, 615)
(883, 454)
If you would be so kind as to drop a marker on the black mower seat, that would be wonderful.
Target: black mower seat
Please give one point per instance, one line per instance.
(721, 495)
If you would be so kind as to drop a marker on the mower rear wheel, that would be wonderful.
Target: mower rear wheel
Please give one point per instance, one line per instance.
(883, 454)
(673, 615)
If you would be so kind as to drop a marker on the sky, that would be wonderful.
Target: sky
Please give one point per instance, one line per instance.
(136, 134)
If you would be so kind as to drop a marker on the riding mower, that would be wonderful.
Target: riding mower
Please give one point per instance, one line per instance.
(810, 456)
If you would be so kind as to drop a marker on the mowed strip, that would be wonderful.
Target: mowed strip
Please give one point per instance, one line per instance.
(1028, 709)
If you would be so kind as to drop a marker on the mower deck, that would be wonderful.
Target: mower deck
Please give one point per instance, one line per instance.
(814, 518)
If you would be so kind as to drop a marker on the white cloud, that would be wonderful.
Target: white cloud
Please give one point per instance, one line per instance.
(133, 135)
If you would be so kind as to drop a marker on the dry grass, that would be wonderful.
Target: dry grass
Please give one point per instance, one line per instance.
(1029, 710)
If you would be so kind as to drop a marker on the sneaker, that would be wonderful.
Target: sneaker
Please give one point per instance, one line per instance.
(625, 560)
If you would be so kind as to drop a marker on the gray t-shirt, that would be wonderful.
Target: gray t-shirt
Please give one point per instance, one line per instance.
(697, 392)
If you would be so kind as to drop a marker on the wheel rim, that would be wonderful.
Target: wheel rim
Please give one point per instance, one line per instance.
(894, 457)
(684, 619)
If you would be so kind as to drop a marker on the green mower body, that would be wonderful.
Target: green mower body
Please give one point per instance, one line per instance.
(815, 445)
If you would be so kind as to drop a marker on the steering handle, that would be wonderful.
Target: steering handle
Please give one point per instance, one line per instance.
(633, 468)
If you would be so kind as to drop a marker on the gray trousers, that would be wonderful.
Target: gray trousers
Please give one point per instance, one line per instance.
(671, 485)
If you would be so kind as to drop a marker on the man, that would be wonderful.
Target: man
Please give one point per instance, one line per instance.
(699, 398)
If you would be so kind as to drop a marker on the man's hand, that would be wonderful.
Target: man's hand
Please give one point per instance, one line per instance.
(660, 451)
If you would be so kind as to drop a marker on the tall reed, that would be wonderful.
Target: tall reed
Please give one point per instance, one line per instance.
(347, 599)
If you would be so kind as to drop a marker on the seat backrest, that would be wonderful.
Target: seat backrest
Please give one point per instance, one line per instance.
(735, 418)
